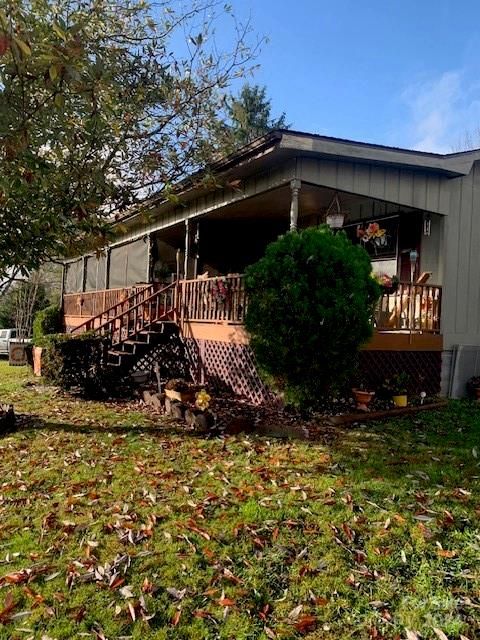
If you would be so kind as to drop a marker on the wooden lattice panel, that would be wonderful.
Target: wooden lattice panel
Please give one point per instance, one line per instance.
(422, 367)
(227, 366)
(171, 355)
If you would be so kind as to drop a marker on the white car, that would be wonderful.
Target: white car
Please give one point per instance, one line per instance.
(5, 336)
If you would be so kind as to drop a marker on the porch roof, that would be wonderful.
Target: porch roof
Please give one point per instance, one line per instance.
(283, 145)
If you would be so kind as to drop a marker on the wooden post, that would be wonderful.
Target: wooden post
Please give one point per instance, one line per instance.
(295, 186)
(197, 244)
(149, 258)
(187, 249)
(84, 272)
(107, 269)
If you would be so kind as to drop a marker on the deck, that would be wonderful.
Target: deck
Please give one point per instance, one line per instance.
(407, 319)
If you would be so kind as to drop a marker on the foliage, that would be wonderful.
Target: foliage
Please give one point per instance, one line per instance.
(76, 362)
(311, 301)
(398, 384)
(249, 116)
(363, 535)
(46, 322)
(103, 104)
(27, 296)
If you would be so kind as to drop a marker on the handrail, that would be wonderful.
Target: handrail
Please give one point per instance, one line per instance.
(214, 299)
(411, 307)
(90, 323)
(159, 305)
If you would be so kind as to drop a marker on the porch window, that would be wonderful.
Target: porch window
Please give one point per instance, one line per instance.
(95, 272)
(128, 264)
(379, 237)
(74, 276)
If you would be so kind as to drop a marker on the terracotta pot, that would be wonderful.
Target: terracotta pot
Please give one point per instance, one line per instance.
(37, 361)
(400, 400)
(476, 391)
(363, 398)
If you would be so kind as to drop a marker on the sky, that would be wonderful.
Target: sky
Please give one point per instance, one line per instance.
(396, 72)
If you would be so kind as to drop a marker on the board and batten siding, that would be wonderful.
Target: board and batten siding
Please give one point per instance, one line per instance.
(420, 190)
(461, 290)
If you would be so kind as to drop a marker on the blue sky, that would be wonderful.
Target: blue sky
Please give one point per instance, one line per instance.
(396, 72)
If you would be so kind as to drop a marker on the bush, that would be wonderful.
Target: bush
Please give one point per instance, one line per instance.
(311, 302)
(46, 322)
(76, 362)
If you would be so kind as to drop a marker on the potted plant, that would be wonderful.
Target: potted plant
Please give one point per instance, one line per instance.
(398, 386)
(362, 397)
(473, 387)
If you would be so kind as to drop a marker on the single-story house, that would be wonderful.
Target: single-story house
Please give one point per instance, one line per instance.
(416, 213)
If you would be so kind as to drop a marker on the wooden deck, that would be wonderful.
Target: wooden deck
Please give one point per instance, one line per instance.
(407, 319)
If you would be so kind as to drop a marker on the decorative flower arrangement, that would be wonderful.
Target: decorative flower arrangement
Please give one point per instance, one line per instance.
(389, 284)
(220, 290)
(202, 400)
(373, 234)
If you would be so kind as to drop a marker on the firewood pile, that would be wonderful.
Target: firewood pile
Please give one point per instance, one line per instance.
(7, 418)
(221, 413)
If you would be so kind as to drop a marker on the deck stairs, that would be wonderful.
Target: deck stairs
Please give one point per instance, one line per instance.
(143, 321)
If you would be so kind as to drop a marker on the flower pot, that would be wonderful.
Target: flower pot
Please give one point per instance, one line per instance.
(363, 398)
(37, 361)
(476, 391)
(400, 400)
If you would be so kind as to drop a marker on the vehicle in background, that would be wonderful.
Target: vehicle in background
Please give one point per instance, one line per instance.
(5, 336)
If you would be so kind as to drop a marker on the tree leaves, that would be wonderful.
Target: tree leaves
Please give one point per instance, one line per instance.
(100, 109)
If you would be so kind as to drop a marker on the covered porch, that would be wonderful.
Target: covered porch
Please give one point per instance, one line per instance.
(207, 255)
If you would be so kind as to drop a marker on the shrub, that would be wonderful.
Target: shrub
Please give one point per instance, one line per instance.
(46, 322)
(76, 362)
(311, 302)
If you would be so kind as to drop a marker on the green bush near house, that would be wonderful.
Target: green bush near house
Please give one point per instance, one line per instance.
(311, 302)
(76, 363)
(46, 322)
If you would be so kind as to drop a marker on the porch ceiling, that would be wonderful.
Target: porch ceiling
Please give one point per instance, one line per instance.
(276, 204)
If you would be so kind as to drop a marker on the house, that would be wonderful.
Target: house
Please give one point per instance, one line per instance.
(418, 215)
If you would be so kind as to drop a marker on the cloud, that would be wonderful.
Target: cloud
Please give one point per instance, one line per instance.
(444, 113)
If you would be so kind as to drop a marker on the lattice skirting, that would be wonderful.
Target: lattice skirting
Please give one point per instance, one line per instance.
(172, 357)
(227, 366)
(231, 367)
(422, 367)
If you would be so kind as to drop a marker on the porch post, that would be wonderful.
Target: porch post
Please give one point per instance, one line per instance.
(149, 274)
(196, 242)
(295, 186)
(187, 249)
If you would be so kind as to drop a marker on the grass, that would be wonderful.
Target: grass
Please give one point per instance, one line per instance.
(113, 526)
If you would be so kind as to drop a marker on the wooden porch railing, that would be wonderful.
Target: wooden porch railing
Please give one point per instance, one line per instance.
(91, 303)
(139, 311)
(219, 299)
(412, 307)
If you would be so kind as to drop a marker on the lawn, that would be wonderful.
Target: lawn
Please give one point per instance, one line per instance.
(113, 526)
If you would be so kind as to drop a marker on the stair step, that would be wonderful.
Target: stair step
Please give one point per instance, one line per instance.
(117, 352)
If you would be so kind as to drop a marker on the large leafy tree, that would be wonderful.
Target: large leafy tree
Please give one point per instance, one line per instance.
(102, 104)
(250, 115)
(311, 303)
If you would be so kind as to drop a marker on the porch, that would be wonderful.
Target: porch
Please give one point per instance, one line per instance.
(407, 317)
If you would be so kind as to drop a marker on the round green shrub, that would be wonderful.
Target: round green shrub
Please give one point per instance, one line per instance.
(46, 322)
(311, 303)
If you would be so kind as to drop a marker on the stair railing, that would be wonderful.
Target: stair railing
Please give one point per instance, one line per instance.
(138, 312)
